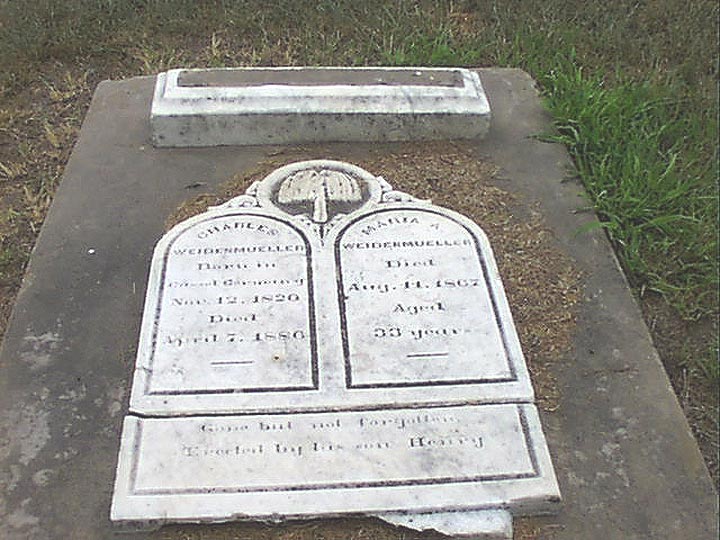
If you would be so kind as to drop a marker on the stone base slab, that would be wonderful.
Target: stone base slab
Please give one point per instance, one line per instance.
(625, 459)
(443, 459)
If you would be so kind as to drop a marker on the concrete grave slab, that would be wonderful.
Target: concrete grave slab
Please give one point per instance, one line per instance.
(626, 462)
(244, 106)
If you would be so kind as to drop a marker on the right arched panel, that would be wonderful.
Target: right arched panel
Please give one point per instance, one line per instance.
(417, 304)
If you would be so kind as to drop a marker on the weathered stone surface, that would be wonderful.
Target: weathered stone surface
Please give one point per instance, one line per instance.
(245, 106)
(327, 319)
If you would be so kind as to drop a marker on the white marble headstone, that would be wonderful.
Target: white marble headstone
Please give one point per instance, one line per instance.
(324, 345)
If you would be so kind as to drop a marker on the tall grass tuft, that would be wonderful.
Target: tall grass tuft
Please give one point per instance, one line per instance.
(643, 155)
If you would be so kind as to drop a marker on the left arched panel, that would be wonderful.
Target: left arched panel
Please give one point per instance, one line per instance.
(219, 303)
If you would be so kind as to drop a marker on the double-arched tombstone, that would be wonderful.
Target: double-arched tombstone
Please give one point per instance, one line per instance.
(322, 335)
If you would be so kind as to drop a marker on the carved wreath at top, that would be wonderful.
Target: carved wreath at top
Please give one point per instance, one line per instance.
(319, 192)
(319, 187)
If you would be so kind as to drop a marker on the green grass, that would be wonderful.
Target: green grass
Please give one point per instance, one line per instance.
(646, 151)
(632, 88)
(640, 154)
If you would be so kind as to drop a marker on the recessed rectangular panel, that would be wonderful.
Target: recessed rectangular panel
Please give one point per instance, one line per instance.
(229, 78)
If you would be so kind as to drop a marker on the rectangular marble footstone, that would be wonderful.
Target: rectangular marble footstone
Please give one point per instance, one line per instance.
(245, 106)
